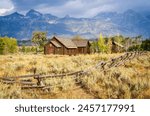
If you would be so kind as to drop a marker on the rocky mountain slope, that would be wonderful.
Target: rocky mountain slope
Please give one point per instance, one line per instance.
(129, 23)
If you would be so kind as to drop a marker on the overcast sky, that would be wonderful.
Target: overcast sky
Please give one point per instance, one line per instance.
(75, 8)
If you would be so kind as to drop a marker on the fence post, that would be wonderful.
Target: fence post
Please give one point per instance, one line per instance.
(39, 80)
(34, 71)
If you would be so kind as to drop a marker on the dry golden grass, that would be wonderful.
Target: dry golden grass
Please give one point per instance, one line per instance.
(129, 81)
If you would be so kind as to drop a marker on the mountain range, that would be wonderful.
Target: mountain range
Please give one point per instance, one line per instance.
(128, 23)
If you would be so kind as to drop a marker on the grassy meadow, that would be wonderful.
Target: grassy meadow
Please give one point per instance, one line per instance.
(129, 81)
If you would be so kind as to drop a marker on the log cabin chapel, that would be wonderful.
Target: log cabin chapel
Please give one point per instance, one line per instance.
(63, 46)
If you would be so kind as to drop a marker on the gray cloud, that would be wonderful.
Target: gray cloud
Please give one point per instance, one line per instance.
(78, 8)
(30, 4)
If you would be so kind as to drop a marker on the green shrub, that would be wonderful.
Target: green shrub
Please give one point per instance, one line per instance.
(27, 49)
(8, 45)
(146, 45)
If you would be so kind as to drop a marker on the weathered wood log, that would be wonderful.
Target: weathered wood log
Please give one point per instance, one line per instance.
(59, 75)
(23, 76)
(19, 82)
(32, 87)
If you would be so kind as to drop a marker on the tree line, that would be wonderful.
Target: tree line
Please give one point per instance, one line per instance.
(100, 45)
(104, 44)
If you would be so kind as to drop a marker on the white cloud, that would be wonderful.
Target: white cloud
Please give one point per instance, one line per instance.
(6, 6)
(3, 11)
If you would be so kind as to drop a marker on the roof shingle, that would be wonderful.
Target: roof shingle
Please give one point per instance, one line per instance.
(55, 44)
(68, 43)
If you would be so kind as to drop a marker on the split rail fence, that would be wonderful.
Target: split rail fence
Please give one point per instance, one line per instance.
(37, 80)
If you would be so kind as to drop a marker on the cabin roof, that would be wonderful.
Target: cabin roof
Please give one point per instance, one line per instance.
(55, 44)
(68, 43)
